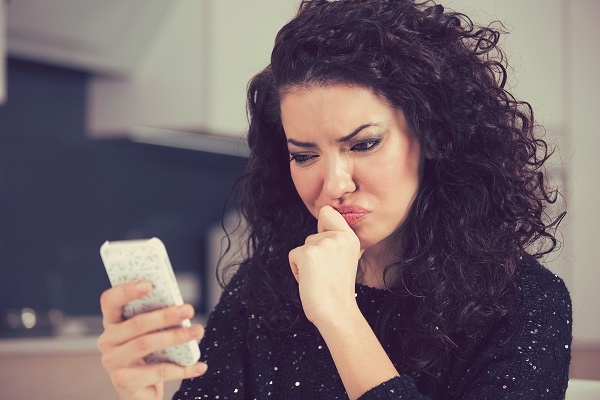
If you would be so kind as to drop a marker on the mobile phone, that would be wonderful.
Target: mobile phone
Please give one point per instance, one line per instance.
(147, 259)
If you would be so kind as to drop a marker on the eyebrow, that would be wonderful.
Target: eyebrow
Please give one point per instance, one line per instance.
(340, 140)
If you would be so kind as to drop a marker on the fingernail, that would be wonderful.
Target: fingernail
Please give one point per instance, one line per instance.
(143, 286)
(195, 330)
(199, 368)
(185, 310)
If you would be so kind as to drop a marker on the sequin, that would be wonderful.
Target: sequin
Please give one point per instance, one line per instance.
(520, 354)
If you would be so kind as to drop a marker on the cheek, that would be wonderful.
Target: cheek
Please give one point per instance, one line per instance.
(307, 188)
(397, 180)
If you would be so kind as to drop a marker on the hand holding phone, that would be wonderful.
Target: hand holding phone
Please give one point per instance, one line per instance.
(147, 260)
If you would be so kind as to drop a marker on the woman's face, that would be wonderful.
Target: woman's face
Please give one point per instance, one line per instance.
(351, 150)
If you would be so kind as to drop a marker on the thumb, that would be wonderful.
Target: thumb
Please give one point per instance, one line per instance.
(331, 220)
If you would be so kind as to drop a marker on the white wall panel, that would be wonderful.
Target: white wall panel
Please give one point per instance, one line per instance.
(584, 57)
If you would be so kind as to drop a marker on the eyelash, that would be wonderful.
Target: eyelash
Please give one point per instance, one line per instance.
(300, 158)
(370, 144)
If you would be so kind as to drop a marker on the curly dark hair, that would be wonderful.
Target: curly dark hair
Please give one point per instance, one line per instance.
(480, 208)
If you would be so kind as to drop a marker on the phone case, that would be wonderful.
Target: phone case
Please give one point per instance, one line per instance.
(147, 259)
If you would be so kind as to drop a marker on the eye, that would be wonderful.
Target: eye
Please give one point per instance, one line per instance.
(300, 158)
(366, 145)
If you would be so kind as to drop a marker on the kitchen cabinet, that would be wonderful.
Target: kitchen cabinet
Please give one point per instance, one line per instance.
(56, 369)
(59, 377)
(194, 76)
(173, 66)
(102, 37)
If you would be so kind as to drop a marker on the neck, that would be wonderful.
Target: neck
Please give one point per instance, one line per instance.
(371, 267)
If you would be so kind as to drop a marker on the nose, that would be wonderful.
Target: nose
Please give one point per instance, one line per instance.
(338, 178)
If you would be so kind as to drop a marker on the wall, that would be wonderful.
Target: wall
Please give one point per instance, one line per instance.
(553, 51)
(62, 195)
(583, 56)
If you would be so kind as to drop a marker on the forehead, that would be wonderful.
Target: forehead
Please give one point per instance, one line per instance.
(335, 105)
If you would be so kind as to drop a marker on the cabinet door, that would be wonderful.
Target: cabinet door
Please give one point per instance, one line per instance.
(195, 74)
(59, 377)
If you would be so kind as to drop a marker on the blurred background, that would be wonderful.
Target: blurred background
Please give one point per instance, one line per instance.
(123, 119)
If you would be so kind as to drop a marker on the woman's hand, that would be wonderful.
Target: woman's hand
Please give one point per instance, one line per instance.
(124, 343)
(325, 267)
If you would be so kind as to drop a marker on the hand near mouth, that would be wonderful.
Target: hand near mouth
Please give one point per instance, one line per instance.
(325, 267)
(353, 215)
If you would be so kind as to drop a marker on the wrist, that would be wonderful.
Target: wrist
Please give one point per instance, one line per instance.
(341, 319)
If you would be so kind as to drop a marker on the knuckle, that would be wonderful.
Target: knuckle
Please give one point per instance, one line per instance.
(311, 251)
(105, 298)
(137, 323)
(143, 344)
(107, 361)
(162, 371)
(120, 379)
(102, 343)
(330, 239)
(292, 254)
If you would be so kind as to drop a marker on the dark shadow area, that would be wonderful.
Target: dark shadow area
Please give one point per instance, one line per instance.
(62, 195)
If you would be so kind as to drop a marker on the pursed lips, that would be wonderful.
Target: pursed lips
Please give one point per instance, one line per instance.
(352, 214)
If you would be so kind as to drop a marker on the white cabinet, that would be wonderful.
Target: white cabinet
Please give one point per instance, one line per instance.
(59, 368)
(106, 37)
(174, 65)
(166, 90)
(583, 56)
(194, 76)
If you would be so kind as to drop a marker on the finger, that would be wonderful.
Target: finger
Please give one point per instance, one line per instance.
(315, 238)
(144, 323)
(112, 300)
(142, 346)
(293, 265)
(148, 375)
(331, 220)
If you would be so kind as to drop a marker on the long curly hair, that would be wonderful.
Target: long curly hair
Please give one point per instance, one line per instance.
(480, 208)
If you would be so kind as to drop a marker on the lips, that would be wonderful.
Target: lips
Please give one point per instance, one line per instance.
(352, 214)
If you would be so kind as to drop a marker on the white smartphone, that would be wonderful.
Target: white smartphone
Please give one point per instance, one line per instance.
(147, 259)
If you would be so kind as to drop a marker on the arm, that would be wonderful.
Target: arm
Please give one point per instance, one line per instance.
(522, 356)
(525, 355)
(325, 268)
(531, 345)
(359, 357)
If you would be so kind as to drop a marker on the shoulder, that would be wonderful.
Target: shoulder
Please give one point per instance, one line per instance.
(539, 288)
(542, 312)
(527, 352)
(230, 302)
(236, 281)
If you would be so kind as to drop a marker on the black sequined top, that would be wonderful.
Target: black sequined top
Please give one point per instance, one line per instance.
(526, 355)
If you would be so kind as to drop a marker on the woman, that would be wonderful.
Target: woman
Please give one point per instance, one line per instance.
(395, 199)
